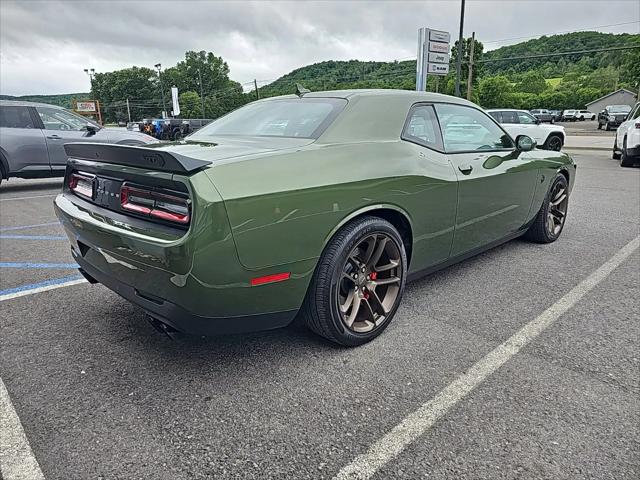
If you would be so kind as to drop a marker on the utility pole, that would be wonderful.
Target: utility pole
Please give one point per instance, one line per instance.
(255, 84)
(164, 105)
(470, 79)
(128, 110)
(459, 59)
(201, 94)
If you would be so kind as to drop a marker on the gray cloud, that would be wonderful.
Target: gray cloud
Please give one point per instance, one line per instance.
(44, 45)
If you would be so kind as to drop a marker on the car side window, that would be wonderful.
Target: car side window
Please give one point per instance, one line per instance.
(422, 127)
(525, 118)
(509, 117)
(15, 117)
(57, 119)
(497, 116)
(466, 129)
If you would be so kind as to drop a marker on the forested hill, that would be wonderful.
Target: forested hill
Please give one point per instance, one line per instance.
(557, 66)
(62, 100)
(571, 80)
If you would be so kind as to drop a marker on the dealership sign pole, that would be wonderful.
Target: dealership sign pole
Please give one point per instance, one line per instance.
(433, 55)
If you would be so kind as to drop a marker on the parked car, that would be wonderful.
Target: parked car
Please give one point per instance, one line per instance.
(626, 145)
(543, 115)
(521, 122)
(612, 116)
(557, 114)
(33, 136)
(585, 115)
(322, 204)
(569, 115)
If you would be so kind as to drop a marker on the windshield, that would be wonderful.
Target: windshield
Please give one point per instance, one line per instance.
(291, 117)
(619, 109)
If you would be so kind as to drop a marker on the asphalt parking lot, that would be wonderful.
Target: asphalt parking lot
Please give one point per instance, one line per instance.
(101, 395)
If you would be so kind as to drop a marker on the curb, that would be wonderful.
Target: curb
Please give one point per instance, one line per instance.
(600, 149)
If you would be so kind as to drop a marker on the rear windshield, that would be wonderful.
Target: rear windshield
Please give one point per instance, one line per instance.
(619, 109)
(292, 117)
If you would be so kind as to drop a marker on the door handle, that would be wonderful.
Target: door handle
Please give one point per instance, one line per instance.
(54, 137)
(465, 169)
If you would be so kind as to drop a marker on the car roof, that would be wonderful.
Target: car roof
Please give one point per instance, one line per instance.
(23, 103)
(380, 92)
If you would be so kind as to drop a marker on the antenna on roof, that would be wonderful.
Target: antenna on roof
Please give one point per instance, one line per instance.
(300, 90)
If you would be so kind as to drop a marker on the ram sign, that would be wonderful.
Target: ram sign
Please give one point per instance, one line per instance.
(433, 55)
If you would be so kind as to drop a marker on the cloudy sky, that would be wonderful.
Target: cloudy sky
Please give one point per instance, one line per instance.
(45, 45)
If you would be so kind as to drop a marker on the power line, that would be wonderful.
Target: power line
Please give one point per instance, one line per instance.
(545, 55)
(583, 29)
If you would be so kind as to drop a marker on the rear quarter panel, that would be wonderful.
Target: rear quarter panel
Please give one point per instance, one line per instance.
(285, 208)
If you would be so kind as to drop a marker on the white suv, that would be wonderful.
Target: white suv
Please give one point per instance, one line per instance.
(626, 146)
(521, 122)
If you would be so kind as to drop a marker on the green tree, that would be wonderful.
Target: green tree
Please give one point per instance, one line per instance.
(532, 82)
(138, 84)
(190, 105)
(493, 92)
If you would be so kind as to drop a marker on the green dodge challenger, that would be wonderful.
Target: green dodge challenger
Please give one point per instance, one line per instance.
(320, 205)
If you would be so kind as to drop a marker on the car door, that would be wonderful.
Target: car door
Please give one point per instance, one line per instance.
(23, 145)
(509, 121)
(529, 125)
(496, 182)
(434, 202)
(61, 127)
(626, 125)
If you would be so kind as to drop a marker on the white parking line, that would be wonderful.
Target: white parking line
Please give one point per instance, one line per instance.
(26, 198)
(40, 287)
(417, 423)
(16, 458)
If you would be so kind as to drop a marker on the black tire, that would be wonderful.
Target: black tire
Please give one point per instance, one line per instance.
(539, 231)
(615, 155)
(554, 142)
(552, 121)
(625, 160)
(319, 311)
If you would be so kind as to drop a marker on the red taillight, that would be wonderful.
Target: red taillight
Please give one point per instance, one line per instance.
(155, 204)
(277, 277)
(81, 184)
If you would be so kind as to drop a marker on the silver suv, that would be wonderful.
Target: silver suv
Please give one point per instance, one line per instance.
(33, 135)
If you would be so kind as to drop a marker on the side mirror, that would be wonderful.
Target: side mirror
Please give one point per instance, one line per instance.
(538, 121)
(525, 143)
(91, 129)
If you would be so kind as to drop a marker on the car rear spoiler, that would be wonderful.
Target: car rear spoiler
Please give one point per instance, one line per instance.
(140, 157)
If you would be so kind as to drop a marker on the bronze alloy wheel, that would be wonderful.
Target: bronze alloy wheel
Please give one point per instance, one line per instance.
(557, 208)
(370, 283)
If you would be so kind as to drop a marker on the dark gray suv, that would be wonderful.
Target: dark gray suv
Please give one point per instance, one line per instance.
(33, 135)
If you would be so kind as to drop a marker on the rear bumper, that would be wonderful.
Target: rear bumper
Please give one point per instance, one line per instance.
(193, 283)
(180, 318)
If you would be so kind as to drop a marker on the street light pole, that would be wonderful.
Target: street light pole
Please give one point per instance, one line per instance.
(164, 105)
(201, 94)
(91, 72)
(459, 59)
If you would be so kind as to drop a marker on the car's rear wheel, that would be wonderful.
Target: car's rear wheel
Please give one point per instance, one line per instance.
(358, 283)
(625, 160)
(554, 142)
(615, 155)
(549, 222)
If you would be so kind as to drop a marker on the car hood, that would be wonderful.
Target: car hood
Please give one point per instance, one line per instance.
(231, 148)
